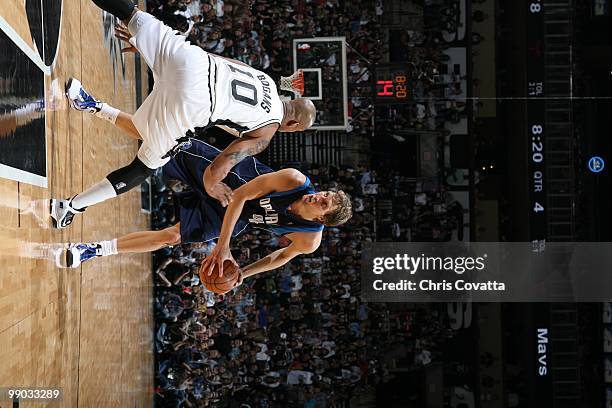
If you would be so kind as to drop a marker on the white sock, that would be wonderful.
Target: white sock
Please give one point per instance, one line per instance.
(95, 194)
(108, 113)
(109, 247)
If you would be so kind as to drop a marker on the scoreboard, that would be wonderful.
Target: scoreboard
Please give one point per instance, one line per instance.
(535, 134)
(536, 118)
(393, 84)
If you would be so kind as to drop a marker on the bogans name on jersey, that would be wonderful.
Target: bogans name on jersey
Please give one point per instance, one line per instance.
(266, 103)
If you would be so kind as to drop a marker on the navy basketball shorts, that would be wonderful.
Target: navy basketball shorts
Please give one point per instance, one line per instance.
(200, 215)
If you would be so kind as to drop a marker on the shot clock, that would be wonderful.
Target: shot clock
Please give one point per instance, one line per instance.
(393, 84)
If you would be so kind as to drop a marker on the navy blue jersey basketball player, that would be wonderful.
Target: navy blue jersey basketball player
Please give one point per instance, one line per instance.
(283, 202)
(201, 216)
(270, 212)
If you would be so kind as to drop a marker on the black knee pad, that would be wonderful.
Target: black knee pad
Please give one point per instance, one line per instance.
(122, 9)
(130, 176)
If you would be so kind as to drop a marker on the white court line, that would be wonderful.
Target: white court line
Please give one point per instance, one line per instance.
(33, 54)
(7, 171)
(22, 176)
(23, 46)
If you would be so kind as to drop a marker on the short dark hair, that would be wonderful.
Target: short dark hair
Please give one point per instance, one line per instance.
(343, 211)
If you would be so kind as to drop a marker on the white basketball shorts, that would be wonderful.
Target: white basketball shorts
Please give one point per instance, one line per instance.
(180, 100)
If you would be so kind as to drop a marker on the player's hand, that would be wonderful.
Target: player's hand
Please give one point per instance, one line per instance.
(240, 278)
(122, 33)
(221, 192)
(218, 256)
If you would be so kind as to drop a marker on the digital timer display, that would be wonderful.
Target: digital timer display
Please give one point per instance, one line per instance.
(394, 88)
(393, 84)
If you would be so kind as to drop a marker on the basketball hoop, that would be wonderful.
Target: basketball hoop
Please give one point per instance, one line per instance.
(294, 83)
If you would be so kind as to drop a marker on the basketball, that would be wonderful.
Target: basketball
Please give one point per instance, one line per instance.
(220, 284)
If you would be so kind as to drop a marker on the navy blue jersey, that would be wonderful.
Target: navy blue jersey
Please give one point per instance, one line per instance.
(270, 212)
(201, 216)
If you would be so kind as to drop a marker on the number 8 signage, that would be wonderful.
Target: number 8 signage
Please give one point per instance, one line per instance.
(535, 7)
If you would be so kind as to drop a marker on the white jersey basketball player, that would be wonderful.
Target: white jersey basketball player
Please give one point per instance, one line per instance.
(244, 99)
(192, 89)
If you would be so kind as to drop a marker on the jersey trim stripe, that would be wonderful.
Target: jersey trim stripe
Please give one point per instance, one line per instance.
(213, 81)
(306, 184)
(255, 165)
(210, 94)
(261, 125)
(226, 122)
(288, 230)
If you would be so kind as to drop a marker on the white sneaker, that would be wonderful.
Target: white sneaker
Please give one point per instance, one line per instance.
(73, 255)
(80, 99)
(62, 212)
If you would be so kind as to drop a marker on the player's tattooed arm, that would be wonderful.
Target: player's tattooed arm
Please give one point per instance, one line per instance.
(237, 151)
(223, 163)
(248, 150)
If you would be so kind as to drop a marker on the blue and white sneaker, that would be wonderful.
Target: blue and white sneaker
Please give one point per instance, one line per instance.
(80, 99)
(73, 255)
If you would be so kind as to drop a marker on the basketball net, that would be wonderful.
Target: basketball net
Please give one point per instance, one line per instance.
(293, 83)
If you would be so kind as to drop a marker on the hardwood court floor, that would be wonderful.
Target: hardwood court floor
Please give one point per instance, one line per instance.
(87, 330)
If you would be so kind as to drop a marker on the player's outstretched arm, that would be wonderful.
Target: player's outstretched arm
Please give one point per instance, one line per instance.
(301, 243)
(282, 180)
(228, 158)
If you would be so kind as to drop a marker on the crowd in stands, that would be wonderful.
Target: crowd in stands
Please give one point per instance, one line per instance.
(260, 32)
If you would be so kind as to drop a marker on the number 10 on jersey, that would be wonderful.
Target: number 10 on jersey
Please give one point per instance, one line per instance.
(242, 91)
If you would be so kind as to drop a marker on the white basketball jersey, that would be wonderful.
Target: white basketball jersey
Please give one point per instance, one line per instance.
(244, 99)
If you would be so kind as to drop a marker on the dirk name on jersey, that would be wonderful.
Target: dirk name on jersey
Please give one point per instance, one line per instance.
(271, 216)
